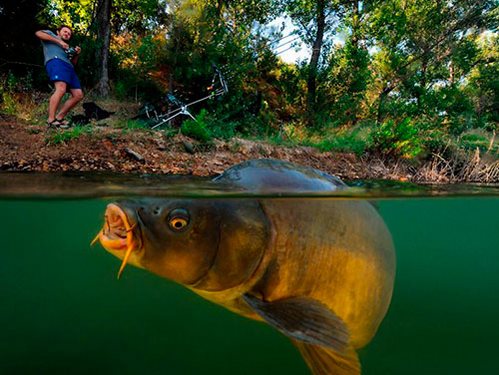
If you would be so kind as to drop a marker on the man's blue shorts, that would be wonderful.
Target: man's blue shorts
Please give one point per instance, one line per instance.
(59, 70)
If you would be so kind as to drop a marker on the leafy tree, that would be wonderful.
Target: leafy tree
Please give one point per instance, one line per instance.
(483, 86)
(315, 20)
(417, 40)
(346, 84)
(349, 68)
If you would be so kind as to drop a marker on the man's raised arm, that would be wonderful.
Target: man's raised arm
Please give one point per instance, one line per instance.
(42, 35)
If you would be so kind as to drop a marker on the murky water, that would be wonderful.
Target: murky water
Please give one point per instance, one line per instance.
(63, 311)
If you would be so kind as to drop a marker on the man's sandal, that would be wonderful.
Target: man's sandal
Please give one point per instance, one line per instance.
(60, 124)
(63, 122)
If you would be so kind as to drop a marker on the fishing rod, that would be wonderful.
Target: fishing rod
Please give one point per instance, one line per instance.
(218, 79)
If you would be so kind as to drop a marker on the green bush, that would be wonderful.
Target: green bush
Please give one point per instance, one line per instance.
(435, 141)
(197, 129)
(7, 103)
(344, 143)
(472, 141)
(399, 139)
(208, 126)
(121, 90)
(7, 88)
(223, 129)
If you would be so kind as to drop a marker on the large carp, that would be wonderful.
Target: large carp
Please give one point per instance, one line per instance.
(321, 271)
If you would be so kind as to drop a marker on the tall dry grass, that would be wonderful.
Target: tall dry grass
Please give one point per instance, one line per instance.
(460, 167)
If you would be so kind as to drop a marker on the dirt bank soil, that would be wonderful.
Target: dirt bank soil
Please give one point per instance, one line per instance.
(26, 147)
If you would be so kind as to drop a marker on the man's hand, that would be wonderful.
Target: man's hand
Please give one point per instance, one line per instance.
(74, 60)
(63, 44)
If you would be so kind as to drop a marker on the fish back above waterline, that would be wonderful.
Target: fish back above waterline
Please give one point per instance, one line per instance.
(271, 176)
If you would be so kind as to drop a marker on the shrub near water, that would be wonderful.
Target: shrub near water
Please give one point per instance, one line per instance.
(197, 129)
(208, 126)
(399, 139)
(346, 141)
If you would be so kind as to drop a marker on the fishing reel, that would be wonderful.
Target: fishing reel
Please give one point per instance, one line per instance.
(70, 52)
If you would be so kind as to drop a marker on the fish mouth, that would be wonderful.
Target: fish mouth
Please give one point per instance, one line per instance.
(120, 234)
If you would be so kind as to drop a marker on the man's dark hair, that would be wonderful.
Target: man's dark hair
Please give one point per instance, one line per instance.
(65, 26)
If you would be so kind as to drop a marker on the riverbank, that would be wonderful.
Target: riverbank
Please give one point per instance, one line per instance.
(33, 147)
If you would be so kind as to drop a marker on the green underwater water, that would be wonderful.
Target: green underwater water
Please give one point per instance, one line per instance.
(63, 311)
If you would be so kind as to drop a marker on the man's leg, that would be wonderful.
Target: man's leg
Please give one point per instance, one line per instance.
(55, 99)
(76, 97)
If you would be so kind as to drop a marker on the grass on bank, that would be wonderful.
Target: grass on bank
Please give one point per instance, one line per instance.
(56, 136)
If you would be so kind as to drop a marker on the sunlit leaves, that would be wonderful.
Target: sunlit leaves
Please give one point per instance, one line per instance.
(127, 15)
(77, 14)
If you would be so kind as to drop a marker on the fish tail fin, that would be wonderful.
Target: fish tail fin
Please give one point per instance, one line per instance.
(325, 361)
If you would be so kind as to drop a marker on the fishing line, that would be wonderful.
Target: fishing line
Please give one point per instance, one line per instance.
(282, 38)
(288, 42)
(287, 49)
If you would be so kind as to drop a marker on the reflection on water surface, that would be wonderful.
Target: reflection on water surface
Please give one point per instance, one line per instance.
(98, 185)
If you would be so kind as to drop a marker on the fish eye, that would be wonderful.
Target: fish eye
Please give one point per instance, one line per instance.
(178, 219)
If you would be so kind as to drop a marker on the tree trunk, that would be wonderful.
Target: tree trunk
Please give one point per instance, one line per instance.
(314, 61)
(355, 45)
(103, 18)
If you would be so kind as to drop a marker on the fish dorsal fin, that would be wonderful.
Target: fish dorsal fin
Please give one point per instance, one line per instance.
(303, 319)
(324, 361)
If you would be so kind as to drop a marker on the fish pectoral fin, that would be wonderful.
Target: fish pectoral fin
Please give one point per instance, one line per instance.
(303, 319)
(324, 361)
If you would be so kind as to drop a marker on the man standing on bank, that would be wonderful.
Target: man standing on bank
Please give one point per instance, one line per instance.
(60, 59)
